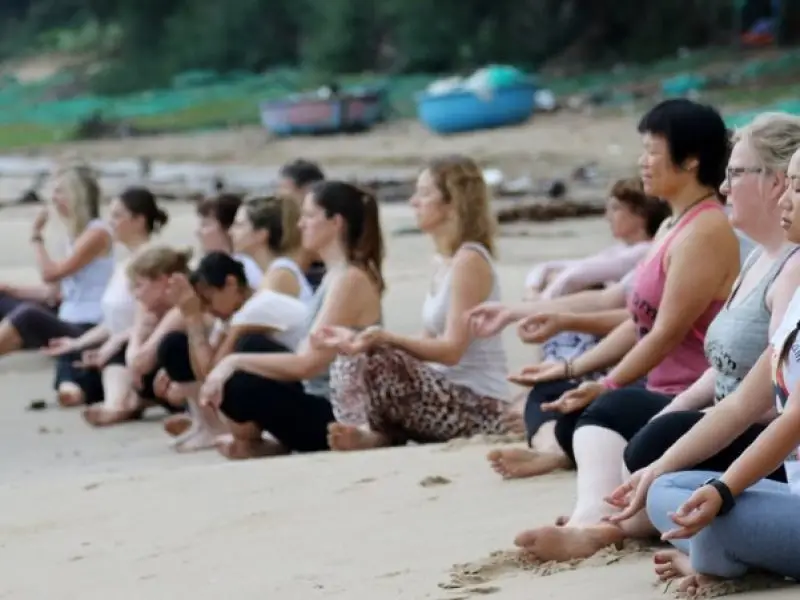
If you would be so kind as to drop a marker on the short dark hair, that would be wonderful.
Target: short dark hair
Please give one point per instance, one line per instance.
(692, 130)
(302, 172)
(215, 268)
(222, 208)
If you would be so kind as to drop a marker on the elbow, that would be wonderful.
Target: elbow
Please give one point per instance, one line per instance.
(51, 276)
(451, 356)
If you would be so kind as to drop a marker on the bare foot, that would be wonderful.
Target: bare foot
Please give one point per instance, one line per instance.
(70, 396)
(242, 449)
(196, 439)
(566, 543)
(692, 585)
(518, 463)
(176, 425)
(348, 437)
(100, 416)
(671, 564)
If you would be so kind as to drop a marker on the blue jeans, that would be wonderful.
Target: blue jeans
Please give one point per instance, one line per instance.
(761, 532)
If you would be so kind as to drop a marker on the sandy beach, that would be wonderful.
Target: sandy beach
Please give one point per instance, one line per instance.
(116, 514)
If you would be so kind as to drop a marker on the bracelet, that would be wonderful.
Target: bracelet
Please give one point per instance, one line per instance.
(568, 374)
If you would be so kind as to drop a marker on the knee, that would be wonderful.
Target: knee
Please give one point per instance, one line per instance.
(650, 443)
(237, 398)
(607, 411)
(174, 343)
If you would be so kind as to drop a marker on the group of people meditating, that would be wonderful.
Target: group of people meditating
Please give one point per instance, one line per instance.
(671, 370)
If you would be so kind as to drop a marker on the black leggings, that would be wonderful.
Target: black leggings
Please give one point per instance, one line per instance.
(625, 411)
(89, 380)
(299, 421)
(661, 433)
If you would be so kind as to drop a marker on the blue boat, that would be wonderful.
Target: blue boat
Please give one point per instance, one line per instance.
(463, 110)
(313, 114)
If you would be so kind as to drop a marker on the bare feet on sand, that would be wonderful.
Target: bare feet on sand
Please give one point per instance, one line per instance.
(242, 449)
(562, 543)
(100, 416)
(69, 395)
(518, 463)
(350, 437)
(670, 564)
(176, 425)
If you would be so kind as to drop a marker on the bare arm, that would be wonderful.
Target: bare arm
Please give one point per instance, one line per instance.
(698, 395)
(201, 352)
(587, 301)
(37, 293)
(691, 285)
(471, 283)
(601, 268)
(725, 422)
(143, 343)
(91, 244)
(338, 309)
(610, 349)
(96, 335)
(595, 323)
(762, 457)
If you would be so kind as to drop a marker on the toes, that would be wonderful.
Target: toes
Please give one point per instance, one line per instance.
(494, 456)
(526, 539)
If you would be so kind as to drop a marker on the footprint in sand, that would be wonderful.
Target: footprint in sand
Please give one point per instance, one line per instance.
(434, 480)
(749, 583)
(504, 562)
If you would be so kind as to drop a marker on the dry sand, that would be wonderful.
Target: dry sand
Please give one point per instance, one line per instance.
(115, 514)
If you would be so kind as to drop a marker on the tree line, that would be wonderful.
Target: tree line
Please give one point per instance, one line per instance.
(159, 38)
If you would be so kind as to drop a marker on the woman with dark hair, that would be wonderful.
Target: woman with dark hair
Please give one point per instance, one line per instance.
(216, 217)
(134, 218)
(674, 299)
(287, 394)
(252, 320)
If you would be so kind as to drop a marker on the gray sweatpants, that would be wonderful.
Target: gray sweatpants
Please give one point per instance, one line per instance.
(761, 532)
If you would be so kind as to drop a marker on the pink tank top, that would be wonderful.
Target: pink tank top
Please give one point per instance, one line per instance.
(686, 362)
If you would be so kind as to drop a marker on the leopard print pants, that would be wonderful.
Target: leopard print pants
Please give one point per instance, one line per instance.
(407, 400)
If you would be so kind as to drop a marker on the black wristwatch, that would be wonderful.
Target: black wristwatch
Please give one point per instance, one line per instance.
(728, 501)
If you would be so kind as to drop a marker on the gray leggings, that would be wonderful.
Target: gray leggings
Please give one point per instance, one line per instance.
(761, 532)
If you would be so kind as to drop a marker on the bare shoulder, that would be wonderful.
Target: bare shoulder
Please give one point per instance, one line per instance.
(472, 261)
(711, 227)
(790, 273)
(353, 280)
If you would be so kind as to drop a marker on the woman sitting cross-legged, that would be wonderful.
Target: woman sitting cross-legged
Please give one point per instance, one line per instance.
(389, 388)
(674, 299)
(150, 272)
(726, 524)
(641, 427)
(253, 321)
(82, 277)
(286, 394)
(103, 381)
(266, 230)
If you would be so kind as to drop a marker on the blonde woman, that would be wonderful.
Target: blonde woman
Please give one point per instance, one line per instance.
(82, 275)
(443, 383)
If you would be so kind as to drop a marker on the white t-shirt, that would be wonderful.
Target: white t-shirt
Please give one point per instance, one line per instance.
(287, 316)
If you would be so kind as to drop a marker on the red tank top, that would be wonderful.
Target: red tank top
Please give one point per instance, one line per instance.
(687, 361)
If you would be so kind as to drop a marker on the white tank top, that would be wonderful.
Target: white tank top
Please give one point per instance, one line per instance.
(119, 305)
(252, 271)
(306, 291)
(82, 292)
(483, 368)
(785, 346)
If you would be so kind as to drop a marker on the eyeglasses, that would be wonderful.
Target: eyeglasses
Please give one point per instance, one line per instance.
(733, 173)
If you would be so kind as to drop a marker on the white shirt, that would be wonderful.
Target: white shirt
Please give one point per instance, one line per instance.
(285, 315)
(252, 271)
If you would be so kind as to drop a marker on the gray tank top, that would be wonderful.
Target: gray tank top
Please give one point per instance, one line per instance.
(738, 335)
(321, 384)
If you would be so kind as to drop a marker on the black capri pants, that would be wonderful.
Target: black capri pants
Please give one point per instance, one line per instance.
(625, 411)
(657, 436)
